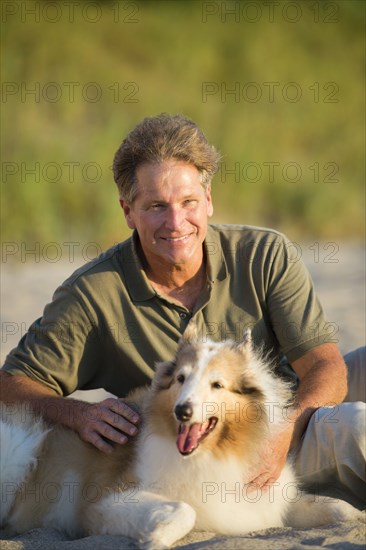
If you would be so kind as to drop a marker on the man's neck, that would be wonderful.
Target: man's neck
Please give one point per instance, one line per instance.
(176, 277)
(179, 284)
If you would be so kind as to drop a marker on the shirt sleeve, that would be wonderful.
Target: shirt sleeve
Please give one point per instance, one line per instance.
(60, 349)
(294, 310)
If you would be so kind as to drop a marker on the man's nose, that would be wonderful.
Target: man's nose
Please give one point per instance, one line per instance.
(174, 218)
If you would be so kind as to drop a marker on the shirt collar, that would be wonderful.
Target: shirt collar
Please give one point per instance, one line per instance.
(137, 283)
(216, 264)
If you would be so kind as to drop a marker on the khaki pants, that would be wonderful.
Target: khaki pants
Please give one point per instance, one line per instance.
(331, 457)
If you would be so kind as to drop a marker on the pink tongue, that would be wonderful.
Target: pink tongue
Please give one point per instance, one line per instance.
(189, 436)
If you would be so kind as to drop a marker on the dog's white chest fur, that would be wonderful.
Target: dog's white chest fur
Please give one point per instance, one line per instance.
(215, 488)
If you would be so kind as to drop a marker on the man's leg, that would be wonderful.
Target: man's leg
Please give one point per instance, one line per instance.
(331, 457)
(356, 363)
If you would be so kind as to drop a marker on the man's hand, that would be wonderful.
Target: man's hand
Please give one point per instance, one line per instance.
(104, 423)
(272, 460)
(323, 381)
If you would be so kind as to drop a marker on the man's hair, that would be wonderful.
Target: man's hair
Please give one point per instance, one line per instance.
(161, 138)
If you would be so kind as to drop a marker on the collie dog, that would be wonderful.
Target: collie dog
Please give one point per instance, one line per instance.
(205, 418)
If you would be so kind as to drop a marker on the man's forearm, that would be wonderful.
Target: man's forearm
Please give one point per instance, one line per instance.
(323, 382)
(102, 424)
(42, 400)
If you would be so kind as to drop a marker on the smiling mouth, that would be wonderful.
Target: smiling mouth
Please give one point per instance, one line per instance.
(176, 239)
(191, 435)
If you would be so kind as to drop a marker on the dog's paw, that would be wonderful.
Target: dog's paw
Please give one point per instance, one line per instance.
(315, 511)
(343, 511)
(166, 523)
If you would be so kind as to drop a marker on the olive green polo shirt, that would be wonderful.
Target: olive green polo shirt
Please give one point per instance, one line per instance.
(106, 326)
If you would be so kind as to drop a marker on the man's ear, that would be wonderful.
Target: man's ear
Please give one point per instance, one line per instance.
(209, 200)
(126, 207)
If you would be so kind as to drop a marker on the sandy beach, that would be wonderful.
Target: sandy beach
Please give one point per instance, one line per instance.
(338, 270)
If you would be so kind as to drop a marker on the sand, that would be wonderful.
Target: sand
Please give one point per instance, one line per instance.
(338, 270)
(350, 536)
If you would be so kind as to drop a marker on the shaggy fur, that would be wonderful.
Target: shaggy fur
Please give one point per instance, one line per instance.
(204, 420)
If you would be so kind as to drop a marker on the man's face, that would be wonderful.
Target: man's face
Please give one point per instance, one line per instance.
(170, 212)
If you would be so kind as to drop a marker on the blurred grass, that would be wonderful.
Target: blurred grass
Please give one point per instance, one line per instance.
(162, 62)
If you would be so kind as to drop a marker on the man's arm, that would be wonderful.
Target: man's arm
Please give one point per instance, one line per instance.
(95, 423)
(323, 381)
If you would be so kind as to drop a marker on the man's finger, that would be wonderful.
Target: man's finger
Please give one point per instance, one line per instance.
(120, 407)
(108, 432)
(116, 420)
(95, 439)
(259, 482)
(114, 412)
(263, 482)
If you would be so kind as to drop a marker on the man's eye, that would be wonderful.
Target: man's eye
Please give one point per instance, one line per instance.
(156, 206)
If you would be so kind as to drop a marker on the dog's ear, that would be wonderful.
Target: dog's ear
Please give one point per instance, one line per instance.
(247, 337)
(163, 375)
(190, 335)
(245, 387)
(246, 343)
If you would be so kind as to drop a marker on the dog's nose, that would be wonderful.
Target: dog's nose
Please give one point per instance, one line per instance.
(183, 412)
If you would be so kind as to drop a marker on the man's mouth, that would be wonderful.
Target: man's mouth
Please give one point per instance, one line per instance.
(191, 435)
(176, 239)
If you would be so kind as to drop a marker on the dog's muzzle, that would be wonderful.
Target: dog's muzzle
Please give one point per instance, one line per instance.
(190, 434)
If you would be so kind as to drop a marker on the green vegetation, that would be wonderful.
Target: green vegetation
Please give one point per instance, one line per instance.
(279, 90)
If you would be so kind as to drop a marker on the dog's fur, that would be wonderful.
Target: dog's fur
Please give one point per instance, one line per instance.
(204, 421)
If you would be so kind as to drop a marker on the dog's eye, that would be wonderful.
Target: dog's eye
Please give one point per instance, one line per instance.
(217, 385)
(180, 378)
(170, 368)
(248, 390)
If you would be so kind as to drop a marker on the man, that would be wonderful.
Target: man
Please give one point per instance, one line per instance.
(112, 319)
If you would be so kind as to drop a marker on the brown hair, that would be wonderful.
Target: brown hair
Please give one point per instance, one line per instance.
(160, 138)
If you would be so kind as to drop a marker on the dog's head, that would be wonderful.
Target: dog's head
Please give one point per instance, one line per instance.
(215, 395)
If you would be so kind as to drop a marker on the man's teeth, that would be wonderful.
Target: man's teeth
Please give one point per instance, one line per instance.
(176, 238)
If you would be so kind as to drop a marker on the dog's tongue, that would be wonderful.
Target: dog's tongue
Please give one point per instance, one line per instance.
(189, 436)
